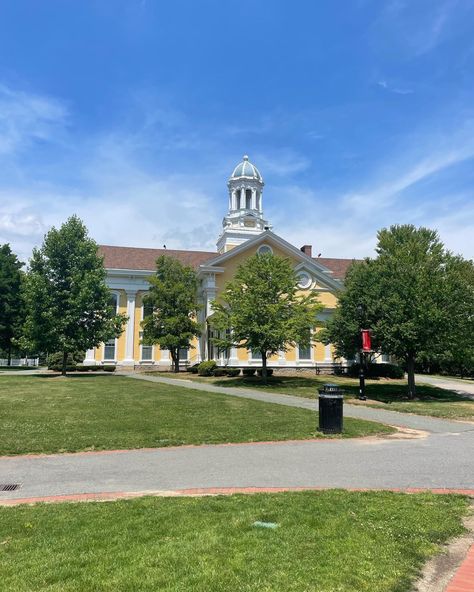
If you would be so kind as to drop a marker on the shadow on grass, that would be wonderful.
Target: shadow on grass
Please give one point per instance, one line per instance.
(381, 390)
(74, 375)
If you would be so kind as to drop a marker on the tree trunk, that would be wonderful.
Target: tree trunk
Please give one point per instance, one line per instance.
(411, 376)
(64, 366)
(175, 358)
(264, 366)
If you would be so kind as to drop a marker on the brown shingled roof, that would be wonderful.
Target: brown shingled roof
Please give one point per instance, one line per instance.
(338, 267)
(145, 259)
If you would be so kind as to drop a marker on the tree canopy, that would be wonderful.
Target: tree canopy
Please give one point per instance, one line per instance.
(11, 305)
(67, 300)
(172, 301)
(262, 309)
(416, 297)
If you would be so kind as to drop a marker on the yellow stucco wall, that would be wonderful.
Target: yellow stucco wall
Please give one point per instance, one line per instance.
(326, 297)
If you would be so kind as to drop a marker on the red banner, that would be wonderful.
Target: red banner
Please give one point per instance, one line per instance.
(366, 340)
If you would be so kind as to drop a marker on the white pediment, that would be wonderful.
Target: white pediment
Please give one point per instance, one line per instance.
(319, 274)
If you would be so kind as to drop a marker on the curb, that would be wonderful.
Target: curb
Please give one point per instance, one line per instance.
(211, 491)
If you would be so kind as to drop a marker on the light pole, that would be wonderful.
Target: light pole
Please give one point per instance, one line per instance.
(364, 343)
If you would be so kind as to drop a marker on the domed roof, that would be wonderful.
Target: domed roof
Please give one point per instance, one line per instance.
(246, 169)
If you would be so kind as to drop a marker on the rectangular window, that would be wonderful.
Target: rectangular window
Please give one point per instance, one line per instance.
(109, 350)
(147, 350)
(109, 345)
(147, 353)
(183, 354)
(304, 352)
(256, 355)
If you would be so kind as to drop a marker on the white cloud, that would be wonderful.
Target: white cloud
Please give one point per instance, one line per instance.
(418, 28)
(282, 162)
(125, 198)
(26, 117)
(395, 89)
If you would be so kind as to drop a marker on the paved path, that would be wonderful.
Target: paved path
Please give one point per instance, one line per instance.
(442, 459)
(412, 421)
(462, 387)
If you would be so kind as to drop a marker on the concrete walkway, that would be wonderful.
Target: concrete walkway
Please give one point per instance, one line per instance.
(442, 459)
(461, 387)
(408, 420)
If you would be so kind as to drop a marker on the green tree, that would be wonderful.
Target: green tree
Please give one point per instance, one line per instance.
(262, 310)
(173, 306)
(67, 300)
(11, 305)
(408, 295)
(458, 351)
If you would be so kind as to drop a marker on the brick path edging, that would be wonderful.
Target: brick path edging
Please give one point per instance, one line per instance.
(204, 491)
(463, 579)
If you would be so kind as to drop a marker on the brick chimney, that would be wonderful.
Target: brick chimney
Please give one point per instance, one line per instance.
(307, 250)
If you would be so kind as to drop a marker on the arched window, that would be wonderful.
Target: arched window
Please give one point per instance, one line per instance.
(248, 199)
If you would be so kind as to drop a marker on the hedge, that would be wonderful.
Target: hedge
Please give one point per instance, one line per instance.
(377, 371)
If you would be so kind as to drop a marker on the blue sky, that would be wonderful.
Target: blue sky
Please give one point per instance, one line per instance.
(132, 114)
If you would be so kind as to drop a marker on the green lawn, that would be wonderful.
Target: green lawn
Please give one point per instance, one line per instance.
(383, 393)
(332, 541)
(49, 414)
(17, 368)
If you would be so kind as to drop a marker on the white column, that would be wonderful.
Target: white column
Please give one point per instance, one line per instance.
(242, 198)
(89, 359)
(327, 353)
(254, 199)
(130, 329)
(210, 292)
(234, 200)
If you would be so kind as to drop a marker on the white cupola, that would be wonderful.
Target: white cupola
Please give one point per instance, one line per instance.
(245, 216)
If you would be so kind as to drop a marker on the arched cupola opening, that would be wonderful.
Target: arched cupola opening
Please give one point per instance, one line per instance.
(245, 195)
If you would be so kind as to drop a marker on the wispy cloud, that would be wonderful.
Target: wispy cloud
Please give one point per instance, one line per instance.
(395, 89)
(134, 186)
(420, 27)
(27, 117)
(282, 162)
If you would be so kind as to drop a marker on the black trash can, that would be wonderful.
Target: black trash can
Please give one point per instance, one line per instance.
(330, 409)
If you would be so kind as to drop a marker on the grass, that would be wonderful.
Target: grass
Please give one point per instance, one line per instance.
(383, 393)
(332, 541)
(48, 414)
(17, 368)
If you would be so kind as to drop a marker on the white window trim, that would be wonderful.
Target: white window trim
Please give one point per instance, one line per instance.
(306, 361)
(116, 293)
(308, 284)
(266, 246)
(142, 361)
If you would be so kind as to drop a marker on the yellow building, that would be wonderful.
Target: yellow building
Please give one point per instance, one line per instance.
(244, 233)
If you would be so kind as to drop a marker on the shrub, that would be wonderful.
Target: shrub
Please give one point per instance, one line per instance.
(55, 360)
(233, 372)
(269, 371)
(193, 369)
(207, 368)
(219, 372)
(109, 368)
(248, 371)
(378, 371)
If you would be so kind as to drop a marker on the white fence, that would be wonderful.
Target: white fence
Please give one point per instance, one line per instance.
(19, 362)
